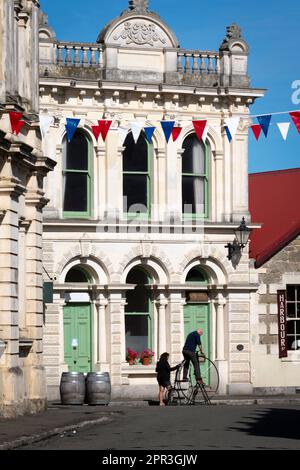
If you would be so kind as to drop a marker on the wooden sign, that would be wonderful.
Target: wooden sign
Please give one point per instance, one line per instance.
(282, 324)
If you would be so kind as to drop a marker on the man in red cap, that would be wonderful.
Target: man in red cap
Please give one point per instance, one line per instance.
(189, 353)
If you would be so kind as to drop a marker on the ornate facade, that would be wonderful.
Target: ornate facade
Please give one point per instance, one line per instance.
(135, 234)
(22, 170)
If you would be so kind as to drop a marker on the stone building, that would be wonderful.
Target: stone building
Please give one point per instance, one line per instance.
(274, 201)
(135, 234)
(22, 170)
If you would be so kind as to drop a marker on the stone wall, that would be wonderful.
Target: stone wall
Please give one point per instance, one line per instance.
(269, 370)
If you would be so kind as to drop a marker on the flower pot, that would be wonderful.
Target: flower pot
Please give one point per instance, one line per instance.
(146, 361)
(130, 362)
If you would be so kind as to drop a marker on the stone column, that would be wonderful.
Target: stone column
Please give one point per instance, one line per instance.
(221, 363)
(176, 326)
(101, 306)
(219, 186)
(162, 343)
(100, 201)
(117, 302)
(219, 304)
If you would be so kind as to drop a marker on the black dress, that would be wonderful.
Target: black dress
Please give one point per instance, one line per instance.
(164, 370)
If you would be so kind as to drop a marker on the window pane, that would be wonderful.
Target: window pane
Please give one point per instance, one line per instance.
(138, 300)
(291, 309)
(193, 195)
(135, 156)
(291, 293)
(75, 197)
(298, 327)
(135, 193)
(77, 153)
(136, 330)
(193, 158)
(291, 327)
(195, 275)
(291, 342)
(77, 275)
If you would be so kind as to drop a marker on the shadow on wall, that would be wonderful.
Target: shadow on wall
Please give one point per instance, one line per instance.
(273, 422)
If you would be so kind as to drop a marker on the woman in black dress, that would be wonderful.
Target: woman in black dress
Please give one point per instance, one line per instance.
(164, 370)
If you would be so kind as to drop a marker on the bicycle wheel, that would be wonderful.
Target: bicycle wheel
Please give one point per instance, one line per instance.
(185, 389)
(210, 376)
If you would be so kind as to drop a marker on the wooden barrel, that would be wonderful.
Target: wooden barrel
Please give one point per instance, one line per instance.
(98, 388)
(72, 388)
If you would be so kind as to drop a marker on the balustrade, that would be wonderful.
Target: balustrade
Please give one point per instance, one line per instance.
(79, 55)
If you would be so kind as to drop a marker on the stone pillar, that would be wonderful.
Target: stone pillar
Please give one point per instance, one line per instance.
(101, 306)
(221, 362)
(117, 304)
(176, 326)
(100, 183)
(161, 304)
(219, 186)
(11, 375)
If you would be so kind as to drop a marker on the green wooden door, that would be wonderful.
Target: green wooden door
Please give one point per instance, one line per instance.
(77, 337)
(196, 316)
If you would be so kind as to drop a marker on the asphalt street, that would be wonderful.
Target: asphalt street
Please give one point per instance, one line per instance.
(188, 428)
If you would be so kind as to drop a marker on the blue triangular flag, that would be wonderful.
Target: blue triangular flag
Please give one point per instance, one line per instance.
(264, 122)
(149, 131)
(71, 127)
(228, 134)
(168, 126)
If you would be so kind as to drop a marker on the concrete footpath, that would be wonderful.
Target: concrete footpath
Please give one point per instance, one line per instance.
(60, 420)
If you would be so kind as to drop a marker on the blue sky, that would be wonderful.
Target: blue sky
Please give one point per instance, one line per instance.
(270, 27)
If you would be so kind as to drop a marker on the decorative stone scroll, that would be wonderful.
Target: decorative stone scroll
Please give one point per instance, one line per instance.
(140, 33)
(139, 6)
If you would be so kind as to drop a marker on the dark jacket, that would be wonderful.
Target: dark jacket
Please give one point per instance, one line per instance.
(192, 341)
(164, 370)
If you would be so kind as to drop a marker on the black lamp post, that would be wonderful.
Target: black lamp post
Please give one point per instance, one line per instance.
(242, 234)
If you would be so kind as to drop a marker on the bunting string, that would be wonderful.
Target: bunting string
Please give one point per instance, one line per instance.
(170, 128)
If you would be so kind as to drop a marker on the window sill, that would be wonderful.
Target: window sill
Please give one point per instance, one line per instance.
(293, 356)
(138, 369)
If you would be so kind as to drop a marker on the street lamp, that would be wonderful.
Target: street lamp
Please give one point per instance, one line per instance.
(242, 234)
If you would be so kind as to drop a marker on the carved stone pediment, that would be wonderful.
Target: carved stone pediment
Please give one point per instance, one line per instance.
(141, 33)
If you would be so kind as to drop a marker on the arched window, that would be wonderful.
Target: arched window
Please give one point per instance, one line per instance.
(194, 177)
(136, 176)
(77, 176)
(138, 311)
(196, 276)
(78, 275)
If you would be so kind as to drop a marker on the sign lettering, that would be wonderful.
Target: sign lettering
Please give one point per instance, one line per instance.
(282, 324)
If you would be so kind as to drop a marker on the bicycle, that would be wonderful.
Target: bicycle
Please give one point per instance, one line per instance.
(186, 392)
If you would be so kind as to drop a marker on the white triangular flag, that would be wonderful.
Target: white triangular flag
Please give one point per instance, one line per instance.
(46, 121)
(204, 137)
(284, 129)
(136, 128)
(123, 132)
(232, 124)
(82, 122)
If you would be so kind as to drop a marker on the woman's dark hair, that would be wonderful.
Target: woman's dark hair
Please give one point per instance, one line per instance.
(164, 356)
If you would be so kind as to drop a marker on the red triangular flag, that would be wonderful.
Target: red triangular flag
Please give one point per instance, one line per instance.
(200, 128)
(16, 122)
(296, 119)
(96, 131)
(176, 133)
(256, 128)
(104, 127)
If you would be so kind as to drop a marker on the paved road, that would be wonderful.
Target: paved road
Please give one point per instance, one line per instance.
(189, 428)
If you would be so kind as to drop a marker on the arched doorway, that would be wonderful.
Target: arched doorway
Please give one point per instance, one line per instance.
(139, 311)
(197, 310)
(78, 326)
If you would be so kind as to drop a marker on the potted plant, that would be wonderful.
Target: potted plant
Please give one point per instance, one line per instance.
(146, 357)
(131, 356)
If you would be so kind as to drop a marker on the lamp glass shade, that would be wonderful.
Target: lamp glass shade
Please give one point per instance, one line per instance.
(242, 233)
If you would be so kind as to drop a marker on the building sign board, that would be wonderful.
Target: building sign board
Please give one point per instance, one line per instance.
(282, 324)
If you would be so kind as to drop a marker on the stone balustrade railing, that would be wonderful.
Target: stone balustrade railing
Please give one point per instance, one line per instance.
(79, 54)
(198, 62)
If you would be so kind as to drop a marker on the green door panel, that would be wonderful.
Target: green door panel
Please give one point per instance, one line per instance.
(77, 337)
(196, 316)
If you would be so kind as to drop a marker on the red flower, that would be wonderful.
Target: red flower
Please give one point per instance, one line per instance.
(147, 353)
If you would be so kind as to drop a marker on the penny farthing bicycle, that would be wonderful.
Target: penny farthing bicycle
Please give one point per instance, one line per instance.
(189, 392)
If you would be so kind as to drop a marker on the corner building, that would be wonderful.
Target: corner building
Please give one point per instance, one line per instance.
(135, 234)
